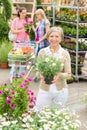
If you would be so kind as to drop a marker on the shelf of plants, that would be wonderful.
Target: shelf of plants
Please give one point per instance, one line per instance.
(73, 20)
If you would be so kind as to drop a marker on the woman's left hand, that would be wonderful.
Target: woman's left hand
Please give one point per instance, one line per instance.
(55, 79)
(37, 42)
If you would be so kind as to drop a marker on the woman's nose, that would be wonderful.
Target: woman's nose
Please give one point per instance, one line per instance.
(54, 38)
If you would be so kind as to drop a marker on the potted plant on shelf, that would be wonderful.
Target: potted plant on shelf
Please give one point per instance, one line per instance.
(4, 50)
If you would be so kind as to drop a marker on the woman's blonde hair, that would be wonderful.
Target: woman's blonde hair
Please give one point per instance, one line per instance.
(56, 29)
(41, 12)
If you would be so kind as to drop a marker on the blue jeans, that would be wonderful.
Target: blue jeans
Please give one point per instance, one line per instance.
(15, 71)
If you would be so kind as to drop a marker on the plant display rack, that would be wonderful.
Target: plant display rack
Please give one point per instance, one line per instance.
(77, 36)
(28, 4)
(73, 20)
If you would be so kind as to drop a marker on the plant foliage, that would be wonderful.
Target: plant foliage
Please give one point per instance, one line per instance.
(7, 9)
(48, 66)
(4, 29)
(16, 99)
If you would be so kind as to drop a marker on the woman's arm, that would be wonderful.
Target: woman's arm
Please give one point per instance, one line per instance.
(67, 66)
(14, 27)
(47, 26)
(66, 72)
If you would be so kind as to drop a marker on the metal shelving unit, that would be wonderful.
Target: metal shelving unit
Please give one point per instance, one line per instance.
(77, 23)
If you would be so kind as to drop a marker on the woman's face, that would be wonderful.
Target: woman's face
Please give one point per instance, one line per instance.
(54, 38)
(38, 17)
(23, 14)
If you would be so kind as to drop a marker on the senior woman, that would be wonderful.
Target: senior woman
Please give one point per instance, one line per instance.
(57, 92)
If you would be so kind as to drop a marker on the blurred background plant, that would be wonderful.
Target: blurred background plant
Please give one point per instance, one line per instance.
(5, 47)
(5, 15)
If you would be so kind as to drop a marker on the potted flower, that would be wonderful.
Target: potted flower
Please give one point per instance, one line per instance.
(48, 66)
(16, 98)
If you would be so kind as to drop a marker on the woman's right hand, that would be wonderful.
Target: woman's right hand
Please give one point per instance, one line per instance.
(42, 78)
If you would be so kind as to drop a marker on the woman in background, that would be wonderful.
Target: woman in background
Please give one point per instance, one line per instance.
(18, 27)
(42, 27)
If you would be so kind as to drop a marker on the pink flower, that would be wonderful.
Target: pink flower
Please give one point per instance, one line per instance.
(26, 81)
(29, 79)
(32, 93)
(12, 105)
(12, 92)
(9, 97)
(27, 112)
(6, 89)
(8, 102)
(22, 86)
(30, 22)
(30, 100)
(1, 92)
(72, 44)
(34, 98)
(31, 106)
(22, 74)
(67, 40)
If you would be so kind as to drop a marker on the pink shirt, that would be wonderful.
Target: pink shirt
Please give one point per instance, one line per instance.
(17, 24)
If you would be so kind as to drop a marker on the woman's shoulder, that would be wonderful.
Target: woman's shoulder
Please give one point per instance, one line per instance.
(16, 19)
(43, 51)
(65, 52)
(46, 21)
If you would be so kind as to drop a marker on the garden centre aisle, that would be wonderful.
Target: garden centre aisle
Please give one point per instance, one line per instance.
(76, 94)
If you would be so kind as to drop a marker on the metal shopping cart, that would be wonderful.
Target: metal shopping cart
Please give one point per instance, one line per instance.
(23, 54)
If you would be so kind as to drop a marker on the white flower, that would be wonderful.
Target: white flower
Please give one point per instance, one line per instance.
(6, 123)
(67, 117)
(66, 127)
(46, 126)
(53, 64)
(47, 59)
(23, 125)
(0, 117)
(14, 122)
(41, 129)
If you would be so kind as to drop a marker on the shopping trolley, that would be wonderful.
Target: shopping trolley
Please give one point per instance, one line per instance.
(23, 54)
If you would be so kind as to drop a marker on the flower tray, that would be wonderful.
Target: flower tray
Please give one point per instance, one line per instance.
(19, 58)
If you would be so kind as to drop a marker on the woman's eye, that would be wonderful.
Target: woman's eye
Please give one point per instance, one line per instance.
(51, 36)
(54, 36)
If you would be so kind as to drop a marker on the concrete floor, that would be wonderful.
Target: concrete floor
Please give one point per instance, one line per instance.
(75, 100)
